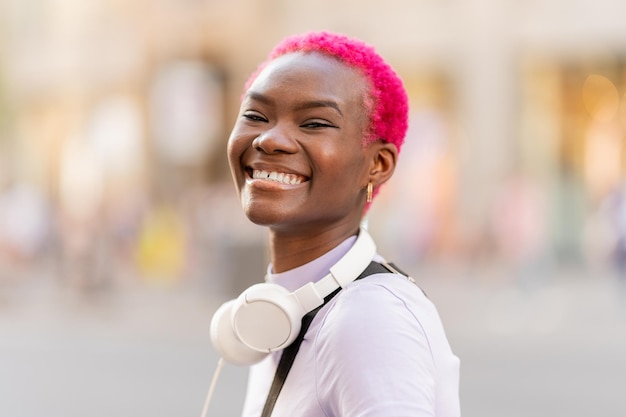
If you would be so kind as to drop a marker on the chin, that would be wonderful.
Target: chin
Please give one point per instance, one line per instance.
(261, 216)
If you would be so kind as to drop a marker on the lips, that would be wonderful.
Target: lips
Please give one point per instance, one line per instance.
(276, 176)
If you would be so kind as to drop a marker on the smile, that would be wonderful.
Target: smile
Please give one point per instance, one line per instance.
(280, 177)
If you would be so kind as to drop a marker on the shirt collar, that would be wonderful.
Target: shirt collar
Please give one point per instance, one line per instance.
(312, 271)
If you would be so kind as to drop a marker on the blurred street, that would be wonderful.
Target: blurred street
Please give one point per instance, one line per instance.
(554, 348)
(121, 232)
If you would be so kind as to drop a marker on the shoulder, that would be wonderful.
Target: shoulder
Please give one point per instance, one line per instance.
(372, 346)
(380, 307)
(380, 295)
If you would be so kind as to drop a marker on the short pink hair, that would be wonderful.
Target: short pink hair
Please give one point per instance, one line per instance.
(387, 101)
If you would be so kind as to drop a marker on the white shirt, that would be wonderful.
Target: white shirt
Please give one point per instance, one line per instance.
(377, 349)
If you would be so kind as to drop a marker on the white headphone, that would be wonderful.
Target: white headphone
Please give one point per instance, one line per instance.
(267, 317)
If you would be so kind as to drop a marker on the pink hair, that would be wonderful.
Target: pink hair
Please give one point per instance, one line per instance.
(387, 101)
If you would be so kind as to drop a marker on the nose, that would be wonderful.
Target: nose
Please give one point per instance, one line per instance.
(275, 140)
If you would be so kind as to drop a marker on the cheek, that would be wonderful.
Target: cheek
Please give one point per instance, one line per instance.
(236, 146)
(354, 153)
(345, 165)
(231, 147)
(357, 168)
(231, 155)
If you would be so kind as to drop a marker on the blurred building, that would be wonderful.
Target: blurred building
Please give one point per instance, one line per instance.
(118, 111)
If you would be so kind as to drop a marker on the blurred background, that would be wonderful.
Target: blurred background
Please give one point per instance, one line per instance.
(120, 231)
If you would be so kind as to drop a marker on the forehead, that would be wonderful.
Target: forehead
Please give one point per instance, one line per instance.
(311, 74)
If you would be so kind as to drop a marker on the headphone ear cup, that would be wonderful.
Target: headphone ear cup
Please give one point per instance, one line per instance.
(226, 342)
(267, 317)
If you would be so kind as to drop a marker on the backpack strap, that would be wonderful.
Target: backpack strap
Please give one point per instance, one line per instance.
(289, 353)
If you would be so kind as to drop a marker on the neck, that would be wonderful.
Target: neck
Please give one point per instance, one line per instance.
(288, 251)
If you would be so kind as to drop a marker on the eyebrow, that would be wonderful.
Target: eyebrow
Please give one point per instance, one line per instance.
(312, 104)
(319, 103)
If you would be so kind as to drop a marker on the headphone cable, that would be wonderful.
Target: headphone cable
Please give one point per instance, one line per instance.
(216, 373)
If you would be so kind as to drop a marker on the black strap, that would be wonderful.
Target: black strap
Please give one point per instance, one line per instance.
(289, 353)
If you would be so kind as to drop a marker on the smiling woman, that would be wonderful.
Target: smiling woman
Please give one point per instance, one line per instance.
(319, 130)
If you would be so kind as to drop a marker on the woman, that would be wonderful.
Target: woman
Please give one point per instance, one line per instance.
(319, 131)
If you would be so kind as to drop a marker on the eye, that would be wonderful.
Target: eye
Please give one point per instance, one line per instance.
(317, 124)
(254, 117)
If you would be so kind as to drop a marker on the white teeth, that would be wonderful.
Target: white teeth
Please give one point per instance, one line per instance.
(277, 176)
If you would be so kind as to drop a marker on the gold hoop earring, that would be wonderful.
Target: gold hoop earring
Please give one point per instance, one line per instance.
(370, 191)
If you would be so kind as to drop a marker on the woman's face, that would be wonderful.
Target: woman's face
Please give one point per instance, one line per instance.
(296, 151)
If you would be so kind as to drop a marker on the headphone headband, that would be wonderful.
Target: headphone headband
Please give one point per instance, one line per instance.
(267, 317)
(312, 295)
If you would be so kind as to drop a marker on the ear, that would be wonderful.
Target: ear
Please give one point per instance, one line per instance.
(383, 157)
